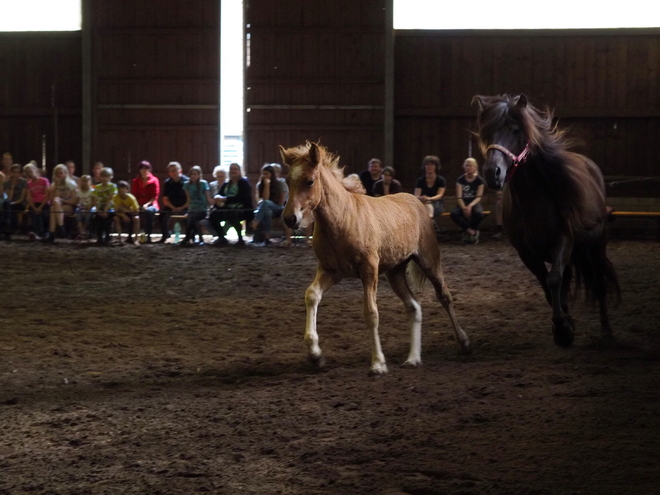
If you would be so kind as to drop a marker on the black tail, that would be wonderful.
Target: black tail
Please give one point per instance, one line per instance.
(595, 272)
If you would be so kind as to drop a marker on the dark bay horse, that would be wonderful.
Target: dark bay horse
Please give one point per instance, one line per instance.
(553, 205)
(358, 236)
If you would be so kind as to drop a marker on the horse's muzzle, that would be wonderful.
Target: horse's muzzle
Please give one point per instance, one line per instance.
(291, 221)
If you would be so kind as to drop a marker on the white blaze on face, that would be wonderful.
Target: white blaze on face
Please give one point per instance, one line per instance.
(296, 172)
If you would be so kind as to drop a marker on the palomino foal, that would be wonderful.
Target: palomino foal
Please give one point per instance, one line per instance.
(358, 236)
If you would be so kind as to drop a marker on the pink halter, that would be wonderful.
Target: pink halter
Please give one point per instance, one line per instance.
(515, 159)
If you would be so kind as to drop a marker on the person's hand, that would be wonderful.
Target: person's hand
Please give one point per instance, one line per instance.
(467, 211)
(423, 198)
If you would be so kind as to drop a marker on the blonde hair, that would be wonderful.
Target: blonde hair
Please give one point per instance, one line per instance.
(471, 161)
(62, 167)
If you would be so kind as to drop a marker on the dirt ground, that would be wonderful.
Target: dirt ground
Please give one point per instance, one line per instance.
(157, 369)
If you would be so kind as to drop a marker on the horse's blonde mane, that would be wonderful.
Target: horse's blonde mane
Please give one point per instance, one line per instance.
(330, 162)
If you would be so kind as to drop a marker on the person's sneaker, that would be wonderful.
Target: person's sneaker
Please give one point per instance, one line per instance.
(32, 236)
(475, 237)
(240, 243)
(163, 239)
(467, 238)
(498, 235)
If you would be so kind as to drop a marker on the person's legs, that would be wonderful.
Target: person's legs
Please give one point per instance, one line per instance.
(458, 218)
(164, 220)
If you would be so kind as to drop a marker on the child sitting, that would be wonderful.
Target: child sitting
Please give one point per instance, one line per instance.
(86, 207)
(103, 194)
(38, 207)
(127, 211)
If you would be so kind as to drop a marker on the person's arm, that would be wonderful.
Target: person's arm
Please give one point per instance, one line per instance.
(30, 203)
(21, 200)
(459, 196)
(154, 196)
(480, 193)
(187, 203)
(438, 194)
(265, 192)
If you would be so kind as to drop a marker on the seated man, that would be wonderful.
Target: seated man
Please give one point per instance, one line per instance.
(174, 197)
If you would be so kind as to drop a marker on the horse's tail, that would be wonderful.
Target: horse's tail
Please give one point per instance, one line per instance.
(416, 277)
(595, 272)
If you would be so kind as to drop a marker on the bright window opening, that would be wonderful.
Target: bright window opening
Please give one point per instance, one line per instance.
(231, 82)
(522, 14)
(40, 15)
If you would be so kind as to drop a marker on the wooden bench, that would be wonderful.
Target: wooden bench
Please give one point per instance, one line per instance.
(653, 216)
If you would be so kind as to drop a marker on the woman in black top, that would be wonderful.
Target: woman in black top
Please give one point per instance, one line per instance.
(430, 188)
(469, 212)
(233, 204)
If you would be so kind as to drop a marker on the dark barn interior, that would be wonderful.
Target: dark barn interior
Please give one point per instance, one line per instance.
(157, 370)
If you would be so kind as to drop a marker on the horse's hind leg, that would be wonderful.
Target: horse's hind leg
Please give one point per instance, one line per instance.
(313, 295)
(399, 283)
(436, 277)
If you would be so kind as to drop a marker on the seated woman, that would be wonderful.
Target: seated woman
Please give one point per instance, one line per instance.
(63, 201)
(271, 203)
(430, 188)
(197, 203)
(387, 184)
(469, 212)
(233, 204)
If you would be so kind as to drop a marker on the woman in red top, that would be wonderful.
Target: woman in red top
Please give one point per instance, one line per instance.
(146, 189)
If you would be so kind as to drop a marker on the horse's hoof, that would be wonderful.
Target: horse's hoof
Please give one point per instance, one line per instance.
(412, 363)
(317, 361)
(466, 350)
(378, 369)
(563, 334)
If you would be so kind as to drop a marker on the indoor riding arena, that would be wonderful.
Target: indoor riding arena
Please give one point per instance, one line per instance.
(154, 368)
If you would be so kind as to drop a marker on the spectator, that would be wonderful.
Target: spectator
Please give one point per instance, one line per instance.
(14, 205)
(127, 212)
(220, 176)
(387, 184)
(430, 188)
(71, 169)
(96, 173)
(37, 202)
(146, 189)
(271, 196)
(233, 204)
(103, 194)
(174, 198)
(86, 209)
(7, 162)
(63, 200)
(469, 212)
(370, 176)
(197, 203)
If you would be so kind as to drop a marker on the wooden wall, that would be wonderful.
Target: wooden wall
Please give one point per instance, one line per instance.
(604, 84)
(315, 70)
(156, 87)
(40, 95)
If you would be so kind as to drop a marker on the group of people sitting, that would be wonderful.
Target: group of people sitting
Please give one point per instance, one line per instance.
(98, 205)
(430, 188)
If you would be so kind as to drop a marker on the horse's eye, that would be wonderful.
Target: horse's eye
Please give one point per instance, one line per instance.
(310, 183)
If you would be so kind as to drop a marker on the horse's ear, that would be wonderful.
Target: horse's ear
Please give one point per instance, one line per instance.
(314, 154)
(478, 99)
(284, 155)
(520, 101)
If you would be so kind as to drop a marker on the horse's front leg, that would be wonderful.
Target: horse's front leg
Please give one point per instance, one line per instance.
(369, 276)
(557, 280)
(313, 295)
